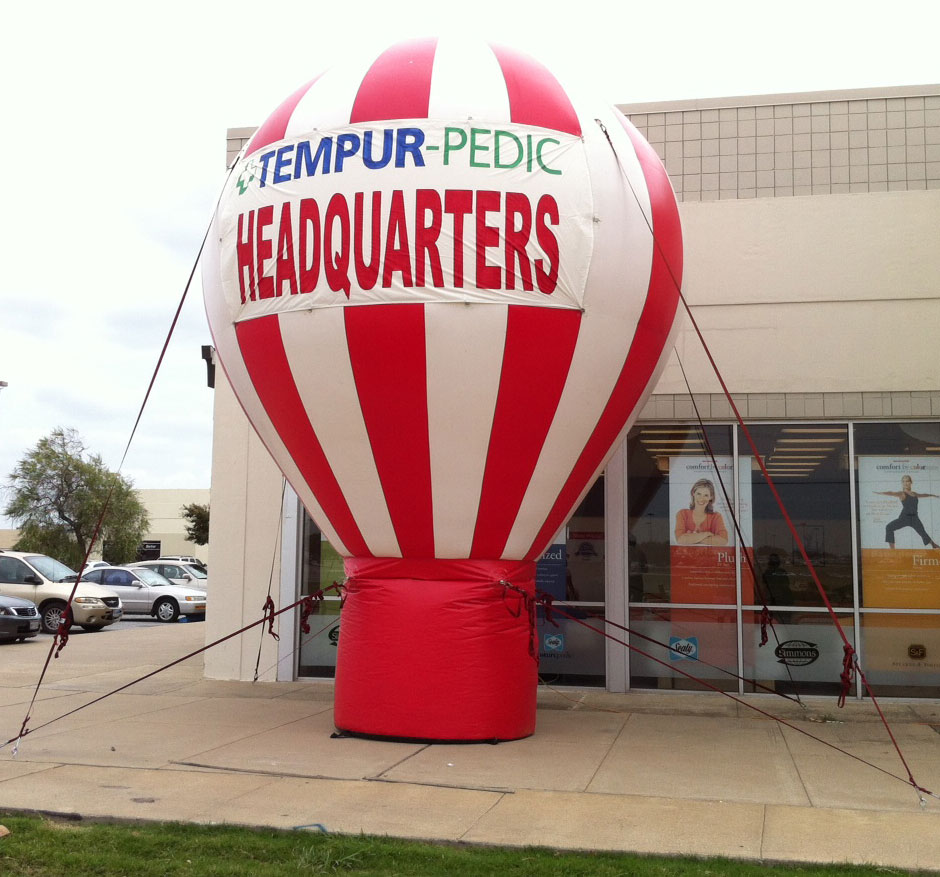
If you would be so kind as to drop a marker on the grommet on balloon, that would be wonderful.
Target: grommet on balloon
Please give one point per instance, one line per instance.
(441, 286)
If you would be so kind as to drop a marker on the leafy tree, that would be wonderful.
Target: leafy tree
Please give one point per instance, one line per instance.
(56, 496)
(196, 516)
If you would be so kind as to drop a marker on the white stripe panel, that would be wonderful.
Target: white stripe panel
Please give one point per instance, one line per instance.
(226, 345)
(465, 346)
(315, 341)
(467, 82)
(617, 285)
(328, 102)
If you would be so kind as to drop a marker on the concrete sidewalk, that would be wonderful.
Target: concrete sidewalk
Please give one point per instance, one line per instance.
(651, 773)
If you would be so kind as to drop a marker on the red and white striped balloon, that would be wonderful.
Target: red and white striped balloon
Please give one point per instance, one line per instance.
(440, 287)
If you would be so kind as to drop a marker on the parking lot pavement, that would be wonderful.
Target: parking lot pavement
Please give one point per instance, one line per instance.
(131, 622)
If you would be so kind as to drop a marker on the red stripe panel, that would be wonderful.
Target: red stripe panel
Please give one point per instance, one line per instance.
(266, 360)
(398, 84)
(652, 331)
(275, 125)
(535, 96)
(387, 350)
(539, 345)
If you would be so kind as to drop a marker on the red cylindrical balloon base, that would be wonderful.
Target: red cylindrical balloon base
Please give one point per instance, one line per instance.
(437, 650)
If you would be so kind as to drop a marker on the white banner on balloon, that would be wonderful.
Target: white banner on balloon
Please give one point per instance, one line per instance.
(420, 212)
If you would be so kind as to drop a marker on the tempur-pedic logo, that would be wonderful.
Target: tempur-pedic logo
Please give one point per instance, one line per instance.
(485, 148)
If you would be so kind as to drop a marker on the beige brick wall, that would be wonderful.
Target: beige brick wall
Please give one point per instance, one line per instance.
(235, 141)
(879, 140)
(798, 406)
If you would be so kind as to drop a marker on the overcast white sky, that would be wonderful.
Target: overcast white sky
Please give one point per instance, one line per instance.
(113, 148)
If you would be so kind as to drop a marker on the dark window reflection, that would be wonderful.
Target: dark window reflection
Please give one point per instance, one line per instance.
(808, 465)
(320, 567)
(570, 651)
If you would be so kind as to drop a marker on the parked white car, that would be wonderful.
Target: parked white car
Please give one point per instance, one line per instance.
(184, 558)
(145, 592)
(94, 564)
(186, 574)
(49, 583)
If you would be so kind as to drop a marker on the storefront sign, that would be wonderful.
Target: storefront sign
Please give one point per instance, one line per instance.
(797, 653)
(683, 648)
(551, 571)
(571, 648)
(809, 650)
(553, 642)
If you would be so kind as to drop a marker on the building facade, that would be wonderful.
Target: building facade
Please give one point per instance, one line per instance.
(167, 532)
(812, 272)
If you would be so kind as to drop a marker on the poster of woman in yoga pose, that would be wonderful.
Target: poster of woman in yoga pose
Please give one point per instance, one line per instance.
(910, 500)
(899, 515)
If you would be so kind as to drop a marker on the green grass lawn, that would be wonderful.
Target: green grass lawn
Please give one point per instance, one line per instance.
(38, 846)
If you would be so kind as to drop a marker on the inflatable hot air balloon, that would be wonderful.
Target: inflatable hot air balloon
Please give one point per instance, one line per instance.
(440, 287)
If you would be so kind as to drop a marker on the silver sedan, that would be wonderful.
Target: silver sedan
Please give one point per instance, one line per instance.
(145, 592)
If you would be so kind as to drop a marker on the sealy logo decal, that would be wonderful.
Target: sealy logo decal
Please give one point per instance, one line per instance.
(796, 653)
(683, 648)
(554, 642)
(917, 652)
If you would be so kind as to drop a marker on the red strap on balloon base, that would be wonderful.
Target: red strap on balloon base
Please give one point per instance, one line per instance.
(526, 602)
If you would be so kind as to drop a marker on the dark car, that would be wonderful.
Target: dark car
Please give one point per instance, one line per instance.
(19, 619)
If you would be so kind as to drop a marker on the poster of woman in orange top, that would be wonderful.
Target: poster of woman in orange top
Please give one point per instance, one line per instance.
(700, 524)
(702, 555)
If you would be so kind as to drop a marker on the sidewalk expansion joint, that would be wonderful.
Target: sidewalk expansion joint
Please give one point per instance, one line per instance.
(499, 790)
(266, 773)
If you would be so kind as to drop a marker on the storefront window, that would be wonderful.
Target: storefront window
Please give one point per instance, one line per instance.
(803, 653)
(573, 571)
(808, 464)
(674, 648)
(681, 551)
(320, 567)
(898, 490)
(680, 528)
(705, 532)
(708, 545)
(901, 654)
